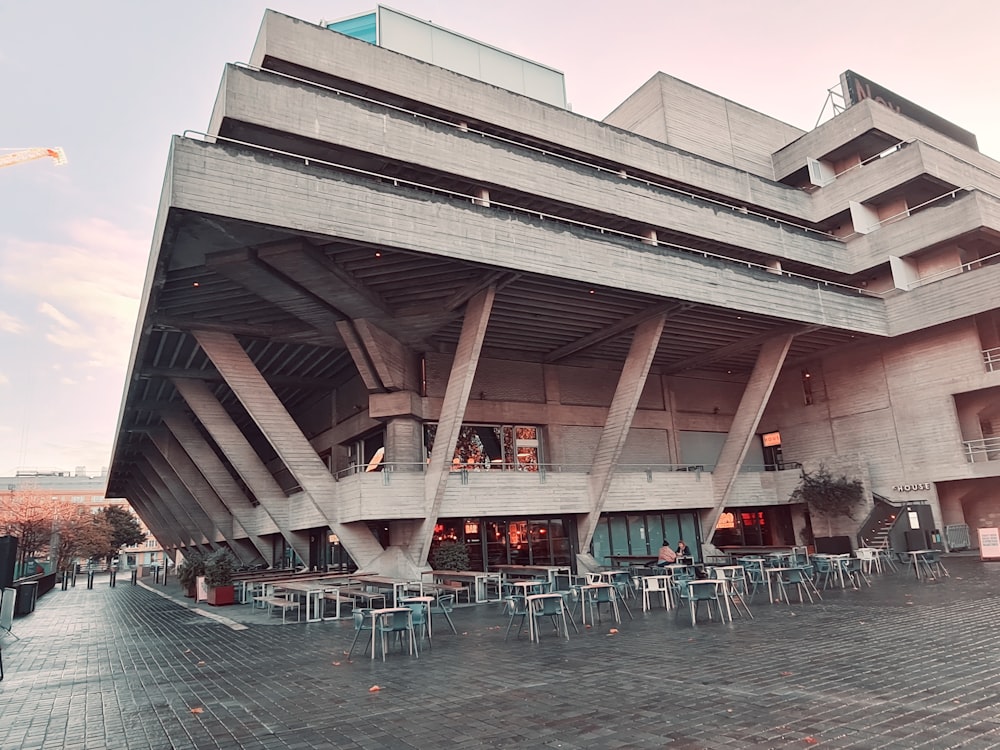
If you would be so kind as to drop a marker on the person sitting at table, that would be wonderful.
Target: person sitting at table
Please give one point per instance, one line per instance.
(666, 556)
(683, 552)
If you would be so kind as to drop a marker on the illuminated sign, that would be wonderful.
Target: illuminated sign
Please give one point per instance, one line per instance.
(858, 88)
(771, 439)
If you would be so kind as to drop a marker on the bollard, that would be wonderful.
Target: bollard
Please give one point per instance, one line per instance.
(135, 576)
(65, 579)
(73, 580)
(90, 579)
(111, 578)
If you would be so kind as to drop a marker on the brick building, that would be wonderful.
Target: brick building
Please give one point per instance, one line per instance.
(399, 294)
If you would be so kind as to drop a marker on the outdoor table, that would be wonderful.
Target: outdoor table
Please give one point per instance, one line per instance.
(478, 581)
(720, 592)
(529, 587)
(312, 591)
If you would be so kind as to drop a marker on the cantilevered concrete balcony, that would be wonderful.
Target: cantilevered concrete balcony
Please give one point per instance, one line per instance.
(868, 121)
(257, 188)
(939, 223)
(289, 45)
(912, 162)
(557, 489)
(273, 111)
(971, 290)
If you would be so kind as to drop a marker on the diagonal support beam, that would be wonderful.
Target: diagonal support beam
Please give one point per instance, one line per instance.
(201, 491)
(292, 447)
(645, 341)
(204, 463)
(169, 480)
(456, 396)
(241, 455)
(755, 396)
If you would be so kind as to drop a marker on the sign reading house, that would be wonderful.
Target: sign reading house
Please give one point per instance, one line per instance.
(858, 88)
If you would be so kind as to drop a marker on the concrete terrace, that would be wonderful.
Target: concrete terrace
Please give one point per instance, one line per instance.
(900, 665)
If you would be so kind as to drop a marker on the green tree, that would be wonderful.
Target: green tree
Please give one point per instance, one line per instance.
(125, 528)
(829, 495)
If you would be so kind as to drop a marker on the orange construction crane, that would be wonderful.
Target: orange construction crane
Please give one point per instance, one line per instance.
(17, 156)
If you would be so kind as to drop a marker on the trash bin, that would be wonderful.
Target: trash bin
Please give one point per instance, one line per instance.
(27, 592)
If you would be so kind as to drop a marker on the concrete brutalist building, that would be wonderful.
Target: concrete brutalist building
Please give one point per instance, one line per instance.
(399, 294)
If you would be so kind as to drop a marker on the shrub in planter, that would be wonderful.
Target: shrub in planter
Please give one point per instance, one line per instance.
(189, 570)
(219, 568)
(450, 556)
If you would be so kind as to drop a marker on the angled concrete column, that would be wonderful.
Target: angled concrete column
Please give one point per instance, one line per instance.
(253, 518)
(243, 457)
(289, 443)
(770, 358)
(166, 534)
(168, 479)
(456, 396)
(626, 400)
(156, 496)
(206, 497)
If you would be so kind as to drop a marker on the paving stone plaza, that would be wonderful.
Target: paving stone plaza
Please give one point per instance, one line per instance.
(903, 664)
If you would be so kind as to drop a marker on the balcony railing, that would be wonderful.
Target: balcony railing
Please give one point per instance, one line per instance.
(986, 449)
(991, 358)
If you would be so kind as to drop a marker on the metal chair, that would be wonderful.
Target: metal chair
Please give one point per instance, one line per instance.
(696, 592)
(554, 608)
(797, 577)
(443, 605)
(604, 595)
(398, 624)
(933, 564)
(362, 623)
(419, 619)
(516, 607)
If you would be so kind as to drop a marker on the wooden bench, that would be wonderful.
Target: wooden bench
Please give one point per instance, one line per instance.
(283, 604)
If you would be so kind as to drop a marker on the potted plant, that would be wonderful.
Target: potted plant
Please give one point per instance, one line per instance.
(189, 570)
(219, 568)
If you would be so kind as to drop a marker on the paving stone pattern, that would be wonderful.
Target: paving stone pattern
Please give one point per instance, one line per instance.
(903, 664)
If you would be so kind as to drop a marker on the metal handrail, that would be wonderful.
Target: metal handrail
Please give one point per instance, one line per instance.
(991, 358)
(544, 152)
(534, 213)
(986, 448)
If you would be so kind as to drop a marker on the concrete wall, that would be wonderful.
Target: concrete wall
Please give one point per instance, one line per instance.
(690, 118)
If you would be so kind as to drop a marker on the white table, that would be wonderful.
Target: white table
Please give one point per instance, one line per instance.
(538, 600)
(378, 614)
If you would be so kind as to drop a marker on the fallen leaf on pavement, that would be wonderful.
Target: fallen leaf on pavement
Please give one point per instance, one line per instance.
(197, 710)
(374, 689)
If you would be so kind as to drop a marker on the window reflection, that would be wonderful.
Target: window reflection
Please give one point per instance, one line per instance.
(496, 447)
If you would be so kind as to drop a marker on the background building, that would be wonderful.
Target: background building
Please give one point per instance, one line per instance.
(391, 303)
(85, 489)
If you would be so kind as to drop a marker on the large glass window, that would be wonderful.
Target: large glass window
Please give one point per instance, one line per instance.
(522, 541)
(644, 534)
(485, 447)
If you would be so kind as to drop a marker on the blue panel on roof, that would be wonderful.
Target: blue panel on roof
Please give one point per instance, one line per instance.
(361, 27)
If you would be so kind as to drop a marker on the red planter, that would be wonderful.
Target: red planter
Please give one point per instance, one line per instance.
(220, 596)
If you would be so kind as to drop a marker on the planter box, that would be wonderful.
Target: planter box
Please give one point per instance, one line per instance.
(219, 596)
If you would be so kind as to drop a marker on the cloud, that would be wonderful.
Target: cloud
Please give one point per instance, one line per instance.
(4, 380)
(86, 289)
(11, 324)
